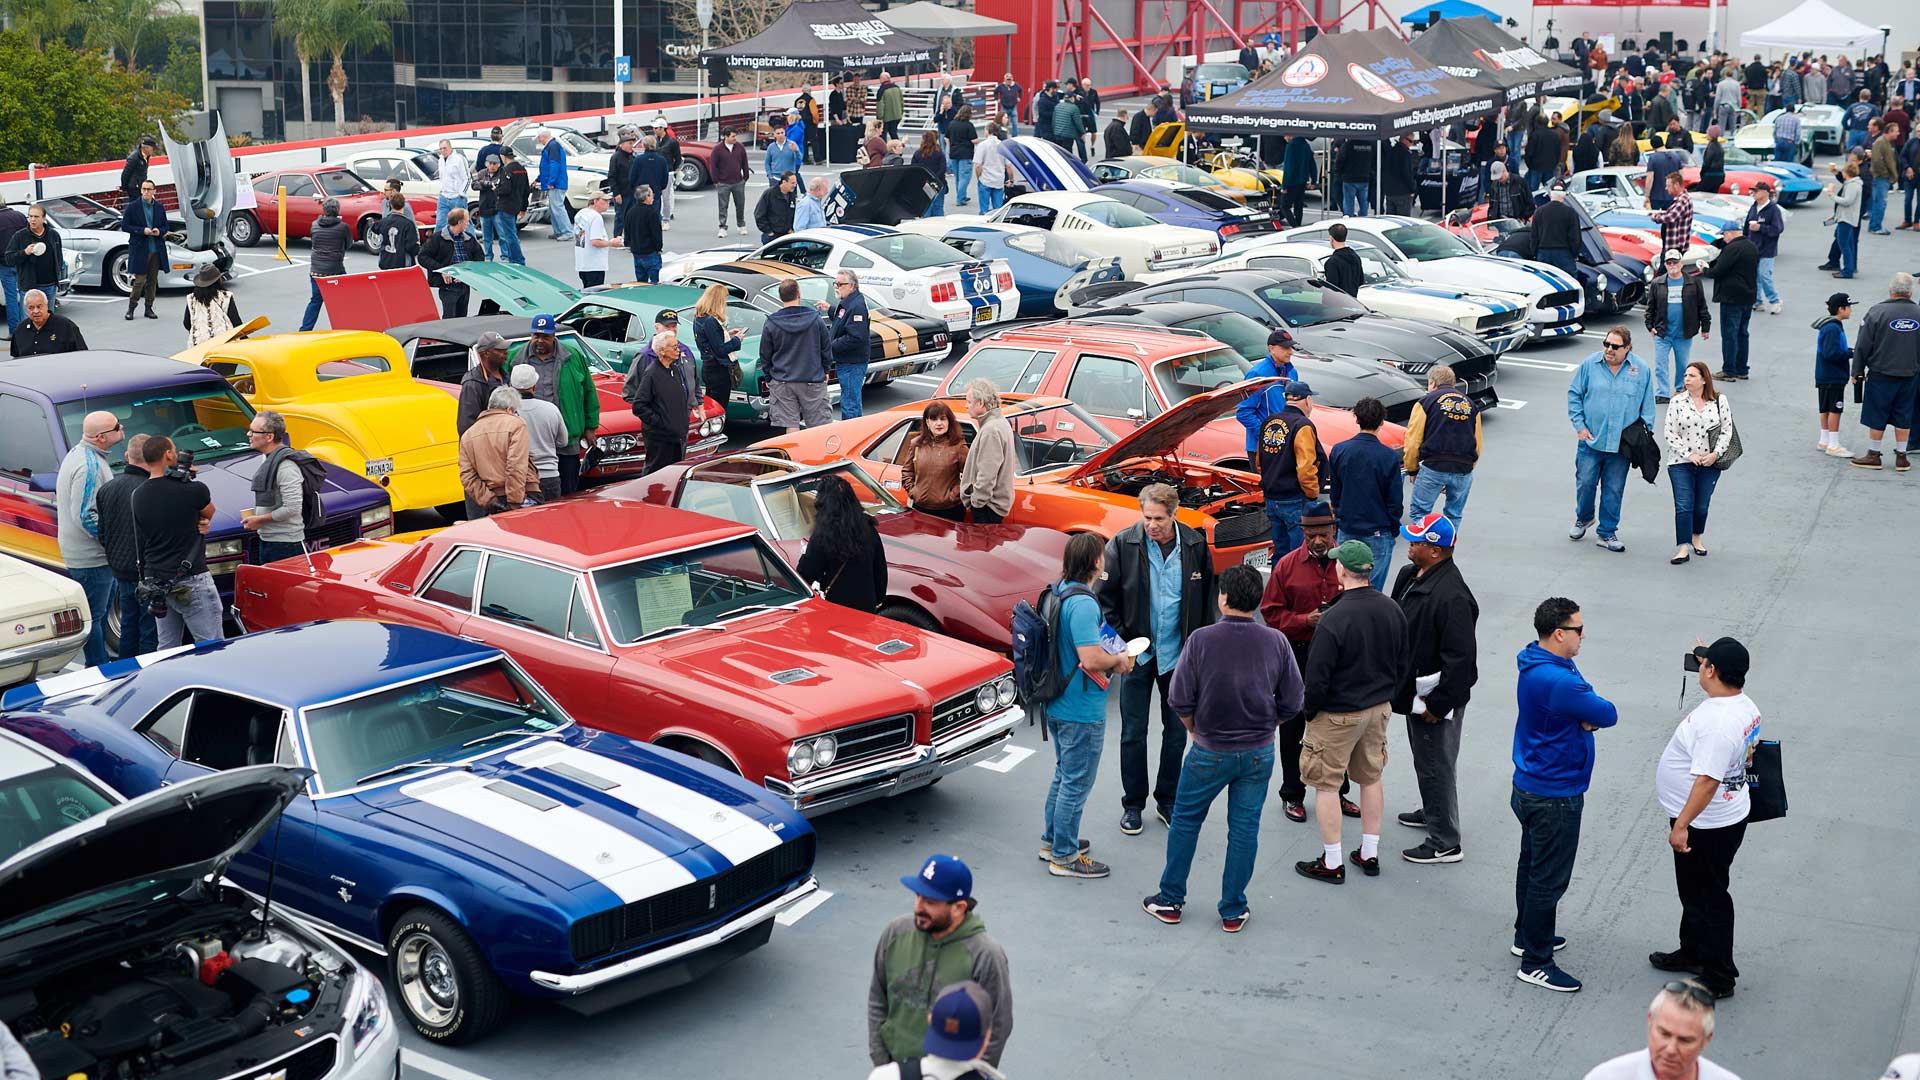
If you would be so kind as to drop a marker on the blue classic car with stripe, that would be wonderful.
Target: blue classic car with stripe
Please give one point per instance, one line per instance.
(457, 822)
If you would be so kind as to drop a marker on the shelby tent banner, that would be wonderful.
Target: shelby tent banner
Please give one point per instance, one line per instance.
(827, 35)
(1354, 85)
(1474, 50)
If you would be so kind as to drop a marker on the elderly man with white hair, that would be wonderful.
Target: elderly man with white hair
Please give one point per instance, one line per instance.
(495, 467)
(1679, 1027)
(811, 211)
(83, 472)
(1886, 358)
(662, 390)
(986, 481)
(454, 178)
(42, 333)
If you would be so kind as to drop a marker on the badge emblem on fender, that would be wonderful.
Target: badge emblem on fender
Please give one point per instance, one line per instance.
(713, 896)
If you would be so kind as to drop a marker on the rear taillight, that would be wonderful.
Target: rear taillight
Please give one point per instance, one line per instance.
(1228, 230)
(946, 291)
(1003, 280)
(67, 622)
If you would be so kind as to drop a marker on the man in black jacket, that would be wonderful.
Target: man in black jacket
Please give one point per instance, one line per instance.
(1736, 285)
(774, 212)
(114, 501)
(1441, 613)
(1397, 179)
(1343, 270)
(662, 394)
(1158, 585)
(1556, 232)
(399, 235)
(849, 341)
(619, 169)
(134, 172)
(510, 201)
(447, 247)
(481, 380)
(329, 239)
(42, 333)
(1115, 140)
(1668, 338)
(36, 257)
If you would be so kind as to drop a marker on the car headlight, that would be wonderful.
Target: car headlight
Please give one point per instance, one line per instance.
(616, 444)
(224, 549)
(825, 750)
(368, 1007)
(800, 758)
(375, 515)
(983, 698)
(1004, 692)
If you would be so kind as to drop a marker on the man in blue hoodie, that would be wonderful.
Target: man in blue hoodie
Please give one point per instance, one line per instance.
(793, 354)
(1609, 391)
(1552, 766)
(1832, 370)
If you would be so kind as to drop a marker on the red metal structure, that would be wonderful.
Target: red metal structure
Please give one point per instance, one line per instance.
(1124, 46)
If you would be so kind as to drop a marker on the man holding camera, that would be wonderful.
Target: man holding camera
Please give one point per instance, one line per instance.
(172, 512)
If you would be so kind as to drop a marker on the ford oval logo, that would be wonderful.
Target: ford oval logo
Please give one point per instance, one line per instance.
(1904, 326)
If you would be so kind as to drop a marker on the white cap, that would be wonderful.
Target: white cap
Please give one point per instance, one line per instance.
(523, 377)
(1673, 255)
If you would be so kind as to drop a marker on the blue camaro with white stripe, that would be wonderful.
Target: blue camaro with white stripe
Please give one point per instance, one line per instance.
(456, 822)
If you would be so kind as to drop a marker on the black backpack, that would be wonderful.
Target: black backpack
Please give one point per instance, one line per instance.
(1037, 675)
(313, 480)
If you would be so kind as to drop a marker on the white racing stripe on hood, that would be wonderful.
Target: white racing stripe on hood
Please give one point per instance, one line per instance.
(726, 830)
(631, 869)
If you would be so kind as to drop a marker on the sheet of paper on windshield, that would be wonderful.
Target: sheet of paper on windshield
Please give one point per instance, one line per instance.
(663, 599)
(1422, 686)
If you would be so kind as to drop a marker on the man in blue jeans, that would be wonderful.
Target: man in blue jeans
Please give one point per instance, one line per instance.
(1235, 681)
(83, 472)
(849, 340)
(1442, 446)
(1078, 717)
(1286, 452)
(1552, 766)
(1365, 487)
(1610, 390)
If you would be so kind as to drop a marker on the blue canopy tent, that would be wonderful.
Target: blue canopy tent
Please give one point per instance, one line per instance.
(1450, 9)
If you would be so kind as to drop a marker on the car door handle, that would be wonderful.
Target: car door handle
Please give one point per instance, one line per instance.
(475, 640)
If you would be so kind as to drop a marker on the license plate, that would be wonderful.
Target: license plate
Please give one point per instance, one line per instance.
(984, 315)
(379, 467)
(919, 775)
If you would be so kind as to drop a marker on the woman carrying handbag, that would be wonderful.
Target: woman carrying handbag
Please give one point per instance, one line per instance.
(1701, 440)
(719, 371)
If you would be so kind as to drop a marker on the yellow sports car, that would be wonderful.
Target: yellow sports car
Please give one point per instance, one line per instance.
(1165, 142)
(348, 399)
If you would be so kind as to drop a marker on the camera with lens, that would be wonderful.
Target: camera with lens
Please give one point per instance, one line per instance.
(154, 592)
(182, 468)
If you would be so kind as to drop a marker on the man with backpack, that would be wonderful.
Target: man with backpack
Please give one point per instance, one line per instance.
(281, 513)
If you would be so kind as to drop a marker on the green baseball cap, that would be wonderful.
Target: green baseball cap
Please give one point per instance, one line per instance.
(1355, 555)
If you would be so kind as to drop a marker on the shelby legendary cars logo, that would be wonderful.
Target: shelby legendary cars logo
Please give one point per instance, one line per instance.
(871, 32)
(1374, 84)
(1305, 71)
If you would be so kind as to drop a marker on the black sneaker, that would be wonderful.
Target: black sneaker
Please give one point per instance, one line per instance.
(1427, 853)
(1549, 978)
(1676, 961)
(1046, 850)
(1369, 867)
(1080, 867)
(1164, 813)
(1158, 907)
(1413, 819)
(1130, 822)
(1317, 869)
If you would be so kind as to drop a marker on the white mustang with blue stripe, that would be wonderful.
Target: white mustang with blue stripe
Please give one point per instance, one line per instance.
(456, 821)
(1426, 252)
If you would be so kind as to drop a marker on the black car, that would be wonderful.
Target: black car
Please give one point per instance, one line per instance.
(1326, 322)
(1339, 381)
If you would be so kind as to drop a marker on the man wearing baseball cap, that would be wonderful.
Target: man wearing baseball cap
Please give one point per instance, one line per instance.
(567, 382)
(1764, 226)
(482, 379)
(1277, 362)
(958, 1029)
(1832, 368)
(1676, 310)
(1287, 453)
(1357, 660)
(1441, 614)
(1701, 782)
(942, 944)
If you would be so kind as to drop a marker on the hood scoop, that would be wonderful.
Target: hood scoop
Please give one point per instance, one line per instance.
(793, 675)
(892, 647)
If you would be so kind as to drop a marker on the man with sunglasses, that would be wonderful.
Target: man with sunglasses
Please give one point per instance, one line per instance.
(1679, 1027)
(1552, 766)
(83, 472)
(1609, 391)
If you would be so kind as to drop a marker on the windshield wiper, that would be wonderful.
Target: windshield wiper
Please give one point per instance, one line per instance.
(511, 733)
(422, 763)
(675, 628)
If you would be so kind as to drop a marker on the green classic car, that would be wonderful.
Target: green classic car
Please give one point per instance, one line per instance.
(620, 323)
(505, 289)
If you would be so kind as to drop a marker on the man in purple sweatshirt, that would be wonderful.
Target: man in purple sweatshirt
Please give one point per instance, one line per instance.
(1235, 682)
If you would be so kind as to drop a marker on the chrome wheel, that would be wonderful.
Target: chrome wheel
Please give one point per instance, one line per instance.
(689, 176)
(428, 984)
(116, 277)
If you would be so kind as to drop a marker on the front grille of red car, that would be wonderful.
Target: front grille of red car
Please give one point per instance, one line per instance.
(67, 622)
(953, 713)
(679, 911)
(858, 742)
(1234, 528)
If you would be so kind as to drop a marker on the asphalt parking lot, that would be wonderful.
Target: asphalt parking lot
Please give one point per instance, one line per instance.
(1406, 975)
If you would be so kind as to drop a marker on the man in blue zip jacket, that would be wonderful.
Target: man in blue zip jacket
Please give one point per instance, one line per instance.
(1254, 410)
(1764, 226)
(552, 180)
(1552, 766)
(1609, 391)
(849, 340)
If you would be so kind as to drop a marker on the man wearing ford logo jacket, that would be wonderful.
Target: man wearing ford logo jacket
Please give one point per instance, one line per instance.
(1887, 360)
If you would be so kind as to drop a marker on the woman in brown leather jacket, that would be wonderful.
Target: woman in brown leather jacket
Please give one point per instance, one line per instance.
(931, 470)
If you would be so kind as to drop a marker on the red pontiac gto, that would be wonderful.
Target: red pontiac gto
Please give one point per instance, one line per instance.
(679, 629)
(962, 580)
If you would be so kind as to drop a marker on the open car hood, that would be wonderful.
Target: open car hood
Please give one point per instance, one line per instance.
(1164, 433)
(191, 828)
(378, 300)
(886, 194)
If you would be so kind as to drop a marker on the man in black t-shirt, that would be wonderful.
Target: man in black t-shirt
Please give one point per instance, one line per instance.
(114, 500)
(172, 512)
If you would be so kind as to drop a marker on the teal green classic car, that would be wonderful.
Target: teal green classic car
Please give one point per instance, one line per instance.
(620, 323)
(505, 289)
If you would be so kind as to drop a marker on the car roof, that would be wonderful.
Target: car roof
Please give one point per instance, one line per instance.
(336, 342)
(1092, 331)
(591, 533)
(1251, 278)
(844, 234)
(1161, 312)
(71, 376)
(1062, 200)
(744, 271)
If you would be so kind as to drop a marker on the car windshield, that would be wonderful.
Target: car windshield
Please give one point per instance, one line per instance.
(814, 288)
(429, 164)
(1190, 376)
(341, 182)
(1425, 243)
(101, 903)
(690, 589)
(575, 142)
(439, 719)
(1303, 303)
(1737, 156)
(207, 418)
(1056, 436)
(571, 342)
(1376, 268)
(1206, 200)
(774, 497)
(1116, 215)
(911, 251)
(1045, 245)
(1247, 336)
(1219, 71)
(1185, 174)
(78, 212)
(39, 798)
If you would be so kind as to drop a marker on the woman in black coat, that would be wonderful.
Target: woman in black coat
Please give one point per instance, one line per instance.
(716, 343)
(844, 555)
(1713, 162)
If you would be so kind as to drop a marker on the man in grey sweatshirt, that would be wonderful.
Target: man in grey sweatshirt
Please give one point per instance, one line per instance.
(83, 473)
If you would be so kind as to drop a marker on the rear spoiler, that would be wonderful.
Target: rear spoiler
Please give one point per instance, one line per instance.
(90, 681)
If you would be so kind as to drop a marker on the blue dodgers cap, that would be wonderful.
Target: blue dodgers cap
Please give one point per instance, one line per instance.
(544, 324)
(1433, 529)
(957, 1028)
(942, 878)
(1298, 388)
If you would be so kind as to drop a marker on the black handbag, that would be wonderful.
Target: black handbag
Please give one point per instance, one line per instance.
(1766, 783)
(1725, 461)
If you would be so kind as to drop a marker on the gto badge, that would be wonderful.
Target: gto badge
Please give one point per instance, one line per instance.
(713, 896)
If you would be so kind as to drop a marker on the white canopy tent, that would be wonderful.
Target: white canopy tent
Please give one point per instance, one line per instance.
(931, 20)
(1812, 25)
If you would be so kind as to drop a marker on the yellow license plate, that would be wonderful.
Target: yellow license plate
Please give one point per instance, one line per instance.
(984, 315)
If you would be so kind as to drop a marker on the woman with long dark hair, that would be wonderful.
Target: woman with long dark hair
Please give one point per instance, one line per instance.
(930, 473)
(1699, 430)
(931, 159)
(843, 555)
(210, 309)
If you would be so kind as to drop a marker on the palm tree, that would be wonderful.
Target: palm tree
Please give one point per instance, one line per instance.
(341, 25)
(119, 26)
(42, 19)
(294, 21)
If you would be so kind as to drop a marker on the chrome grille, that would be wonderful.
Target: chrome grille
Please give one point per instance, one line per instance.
(865, 740)
(690, 907)
(954, 713)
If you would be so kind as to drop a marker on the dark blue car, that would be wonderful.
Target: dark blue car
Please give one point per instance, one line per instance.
(1046, 267)
(455, 821)
(1195, 208)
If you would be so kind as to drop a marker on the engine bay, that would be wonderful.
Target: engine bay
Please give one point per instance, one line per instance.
(211, 1003)
(1212, 491)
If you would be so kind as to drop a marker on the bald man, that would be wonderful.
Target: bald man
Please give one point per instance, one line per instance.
(42, 333)
(76, 489)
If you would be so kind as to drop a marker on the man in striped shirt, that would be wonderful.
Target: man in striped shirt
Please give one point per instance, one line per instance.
(1676, 221)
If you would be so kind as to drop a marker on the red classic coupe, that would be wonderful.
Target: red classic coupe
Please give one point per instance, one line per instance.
(962, 580)
(679, 629)
(308, 189)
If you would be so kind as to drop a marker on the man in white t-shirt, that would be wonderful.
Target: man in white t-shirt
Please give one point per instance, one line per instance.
(590, 241)
(1679, 1027)
(1701, 782)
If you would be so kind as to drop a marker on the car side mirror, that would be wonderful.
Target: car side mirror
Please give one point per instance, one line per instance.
(1138, 416)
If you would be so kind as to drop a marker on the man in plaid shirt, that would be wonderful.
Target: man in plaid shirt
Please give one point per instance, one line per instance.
(1676, 221)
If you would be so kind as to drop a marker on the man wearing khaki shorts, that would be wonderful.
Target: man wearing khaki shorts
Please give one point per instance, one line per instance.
(1358, 657)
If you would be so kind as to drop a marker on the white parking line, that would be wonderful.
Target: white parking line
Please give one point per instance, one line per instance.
(1006, 760)
(1543, 365)
(920, 380)
(415, 1061)
(1509, 403)
(802, 909)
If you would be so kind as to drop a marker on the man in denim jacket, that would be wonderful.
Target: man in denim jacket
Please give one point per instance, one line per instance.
(1610, 390)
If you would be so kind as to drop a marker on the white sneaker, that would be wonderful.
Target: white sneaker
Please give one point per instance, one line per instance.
(1839, 451)
(666, 225)
(1775, 308)
(723, 232)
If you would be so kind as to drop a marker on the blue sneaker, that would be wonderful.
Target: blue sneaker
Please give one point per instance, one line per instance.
(1549, 978)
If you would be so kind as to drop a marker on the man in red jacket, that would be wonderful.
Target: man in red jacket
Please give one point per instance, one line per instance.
(1302, 585)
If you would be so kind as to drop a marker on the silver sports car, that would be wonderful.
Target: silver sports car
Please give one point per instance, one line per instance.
(97, 248)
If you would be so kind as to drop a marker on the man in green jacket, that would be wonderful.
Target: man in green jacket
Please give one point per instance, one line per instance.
(1069, 124)
(942, 943)
(566, 381)
(891, 106)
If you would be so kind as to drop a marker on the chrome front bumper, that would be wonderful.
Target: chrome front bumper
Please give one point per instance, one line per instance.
(900, 772)
(901, 366)
(580, 984)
